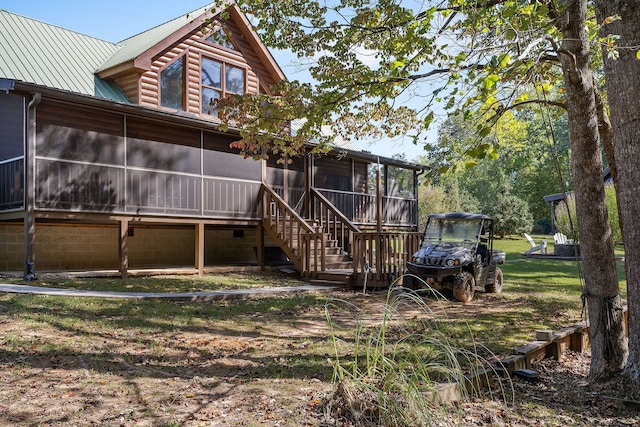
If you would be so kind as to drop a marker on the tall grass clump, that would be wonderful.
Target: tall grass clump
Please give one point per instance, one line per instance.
(390, 366)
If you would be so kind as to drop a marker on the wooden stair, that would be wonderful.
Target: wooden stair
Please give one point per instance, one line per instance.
(341, 278)
(318, 255)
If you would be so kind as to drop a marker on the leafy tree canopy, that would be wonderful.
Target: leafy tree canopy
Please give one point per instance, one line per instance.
(386, 67)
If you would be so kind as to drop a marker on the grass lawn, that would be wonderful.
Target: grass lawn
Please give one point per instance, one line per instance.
(80, 361)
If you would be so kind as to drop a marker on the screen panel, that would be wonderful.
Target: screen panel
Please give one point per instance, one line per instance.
(12, 126)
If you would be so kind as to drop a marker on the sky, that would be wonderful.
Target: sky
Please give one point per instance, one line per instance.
(116, 20)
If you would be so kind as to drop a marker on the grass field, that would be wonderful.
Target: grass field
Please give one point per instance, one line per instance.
(87, 361)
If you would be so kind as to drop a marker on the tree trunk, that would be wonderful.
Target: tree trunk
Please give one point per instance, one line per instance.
(606, 137)
(608, 343)
(623, 85)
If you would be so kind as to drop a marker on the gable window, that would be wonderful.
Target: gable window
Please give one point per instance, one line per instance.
(218, 80)
(220, 38)
(172, 85)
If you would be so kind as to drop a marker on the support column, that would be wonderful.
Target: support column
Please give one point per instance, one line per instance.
(308, 183)
(260, 246)
(379, 207)
(123, 248)
(200, 248)
(30, 190)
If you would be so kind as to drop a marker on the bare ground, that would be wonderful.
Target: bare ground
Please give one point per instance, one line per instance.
(220, 376)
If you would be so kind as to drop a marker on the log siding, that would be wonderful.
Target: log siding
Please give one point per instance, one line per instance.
(145, 88)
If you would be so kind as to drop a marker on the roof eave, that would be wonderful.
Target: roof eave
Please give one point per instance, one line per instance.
(121, 69)
(186, 119)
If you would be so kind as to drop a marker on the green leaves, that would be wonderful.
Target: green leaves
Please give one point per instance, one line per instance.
(490, 82)
(380, 67)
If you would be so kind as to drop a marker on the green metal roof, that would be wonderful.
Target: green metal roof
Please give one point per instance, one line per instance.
(134, 46)
(35, 52)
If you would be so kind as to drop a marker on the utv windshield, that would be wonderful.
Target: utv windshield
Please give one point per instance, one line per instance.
(456, 231)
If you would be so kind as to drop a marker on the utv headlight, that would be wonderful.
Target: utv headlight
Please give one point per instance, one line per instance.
(452, 262)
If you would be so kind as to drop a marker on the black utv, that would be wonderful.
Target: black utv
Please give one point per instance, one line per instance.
(457, 253)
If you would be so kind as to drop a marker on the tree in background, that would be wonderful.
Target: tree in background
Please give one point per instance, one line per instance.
(512, 215)
(446, 196)
(381, 66)
(526, 168)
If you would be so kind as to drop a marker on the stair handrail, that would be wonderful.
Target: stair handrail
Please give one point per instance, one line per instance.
(280, 218)
(340, 220)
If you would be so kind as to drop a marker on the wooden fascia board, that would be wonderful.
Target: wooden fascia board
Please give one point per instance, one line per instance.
(254, 40)
(142, 62)
(121, 69)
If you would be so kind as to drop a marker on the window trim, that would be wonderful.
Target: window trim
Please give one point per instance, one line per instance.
(223, 78)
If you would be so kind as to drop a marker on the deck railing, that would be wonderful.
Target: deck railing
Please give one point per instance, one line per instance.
(64, 185)
(79, 186)
(12, 184)
(301, 243)
(383, 256)
(361, 207)
(332, 220)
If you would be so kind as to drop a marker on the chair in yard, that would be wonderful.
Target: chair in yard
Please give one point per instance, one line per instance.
(540, 247)
(560, 239)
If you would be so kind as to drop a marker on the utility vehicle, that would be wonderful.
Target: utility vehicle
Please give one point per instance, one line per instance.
(457, 253)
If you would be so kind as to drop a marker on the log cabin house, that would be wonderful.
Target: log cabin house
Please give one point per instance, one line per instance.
(110, 159)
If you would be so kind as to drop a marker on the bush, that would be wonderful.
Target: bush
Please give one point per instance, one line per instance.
(511, 215)
(542, 226)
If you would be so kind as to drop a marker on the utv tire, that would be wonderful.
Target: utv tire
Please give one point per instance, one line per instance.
(464, 287)
(408, 281)
(496, 286)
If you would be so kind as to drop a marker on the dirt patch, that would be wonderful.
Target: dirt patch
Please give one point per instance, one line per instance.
(271, 367)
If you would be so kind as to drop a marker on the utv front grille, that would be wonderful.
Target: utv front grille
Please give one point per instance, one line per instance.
(434, 261)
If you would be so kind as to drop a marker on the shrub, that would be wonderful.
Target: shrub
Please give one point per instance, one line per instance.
(511, 215)
(542, 226)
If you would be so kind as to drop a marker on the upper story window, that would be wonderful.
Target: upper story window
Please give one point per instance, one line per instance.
(220, 38)
(218, 80)
(172, 85)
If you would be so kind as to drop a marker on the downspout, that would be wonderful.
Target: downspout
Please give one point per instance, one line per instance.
(30, 189)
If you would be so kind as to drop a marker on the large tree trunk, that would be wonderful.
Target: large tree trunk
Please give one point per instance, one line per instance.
(608, 343)
(623, 86)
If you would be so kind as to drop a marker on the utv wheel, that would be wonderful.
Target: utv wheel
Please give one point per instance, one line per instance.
(408, 281)
(496, 286)
(464, 287)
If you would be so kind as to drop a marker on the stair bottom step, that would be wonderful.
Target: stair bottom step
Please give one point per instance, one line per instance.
(320, 282)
